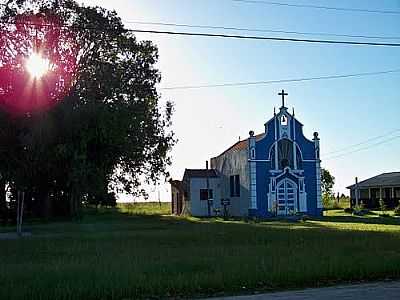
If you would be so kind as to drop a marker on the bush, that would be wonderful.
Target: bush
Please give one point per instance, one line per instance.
(305, 218)
(382, 206)
(110, 200)
(348, 210)
(397, 210)
(360, 210)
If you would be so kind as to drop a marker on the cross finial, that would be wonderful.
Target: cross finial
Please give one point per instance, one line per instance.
(283, 94)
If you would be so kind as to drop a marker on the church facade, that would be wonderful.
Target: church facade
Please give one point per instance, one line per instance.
(275, 173)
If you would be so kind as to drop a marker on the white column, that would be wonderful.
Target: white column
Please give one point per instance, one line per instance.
(276, 145)
(318, 170)
(253, 172)
(294, 143)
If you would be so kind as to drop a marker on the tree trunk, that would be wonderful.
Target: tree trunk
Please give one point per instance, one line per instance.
(3, 202)
(45, 207)
(74, 205)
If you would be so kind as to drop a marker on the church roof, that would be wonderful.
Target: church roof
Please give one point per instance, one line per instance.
(241, 145)
(385, 179)
(200, 173)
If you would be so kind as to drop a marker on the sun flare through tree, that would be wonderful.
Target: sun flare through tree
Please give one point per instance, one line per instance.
(37, 66)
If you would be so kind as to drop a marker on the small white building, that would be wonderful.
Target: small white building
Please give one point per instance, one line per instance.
(190, 196)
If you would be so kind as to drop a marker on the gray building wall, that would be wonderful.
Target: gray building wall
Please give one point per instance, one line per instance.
(197, 207)
(234, 162)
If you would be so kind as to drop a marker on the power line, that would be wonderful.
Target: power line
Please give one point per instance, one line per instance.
(281, 39)
(262, 30)
(364, 148)
(361, 10)
(280, 80)
(242, 37)
(364, 142)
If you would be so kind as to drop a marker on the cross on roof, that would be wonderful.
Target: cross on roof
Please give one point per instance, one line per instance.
(283, 94)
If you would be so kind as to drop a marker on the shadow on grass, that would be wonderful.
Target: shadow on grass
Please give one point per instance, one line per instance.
(115, 220)
(378, 220)
(372, 218)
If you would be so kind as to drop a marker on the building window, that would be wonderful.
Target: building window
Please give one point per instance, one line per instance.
(235, 185)
(284, 120)
(203, 194)
(285, 154)
(253, 153)
(364, 194)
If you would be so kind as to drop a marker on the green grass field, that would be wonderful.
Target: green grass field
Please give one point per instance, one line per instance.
(135, 253)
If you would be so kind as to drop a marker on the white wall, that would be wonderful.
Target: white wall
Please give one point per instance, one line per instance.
(199, 207)
(234, 163)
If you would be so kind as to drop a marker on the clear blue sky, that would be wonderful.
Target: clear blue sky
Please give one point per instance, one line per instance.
(343, 111)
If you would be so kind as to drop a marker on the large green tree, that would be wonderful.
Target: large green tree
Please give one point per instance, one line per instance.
(96, 124)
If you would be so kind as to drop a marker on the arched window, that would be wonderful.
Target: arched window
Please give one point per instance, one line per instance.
(253, 153)
(285, 154)
(284, 120)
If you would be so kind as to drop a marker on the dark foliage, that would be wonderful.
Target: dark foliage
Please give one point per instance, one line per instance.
(348, 210)
(102, 131)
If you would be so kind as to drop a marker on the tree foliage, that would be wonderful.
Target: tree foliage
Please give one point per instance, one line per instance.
(100, 126)
(327, 181)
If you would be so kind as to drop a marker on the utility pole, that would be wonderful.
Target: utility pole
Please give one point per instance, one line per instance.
(356, 191)
(208, 191)
(159, 198)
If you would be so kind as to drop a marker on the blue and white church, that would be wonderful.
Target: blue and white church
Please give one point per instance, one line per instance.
(275, 173)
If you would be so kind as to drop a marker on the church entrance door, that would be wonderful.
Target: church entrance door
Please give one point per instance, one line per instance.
(287, 197)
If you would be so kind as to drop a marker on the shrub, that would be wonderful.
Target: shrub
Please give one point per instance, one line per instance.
(359, 210)
(305, 218)
(382, 206)
(109, 200)
(348, 210)
(397, 210)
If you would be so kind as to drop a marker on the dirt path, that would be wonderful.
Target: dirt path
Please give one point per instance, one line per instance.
(368, 291)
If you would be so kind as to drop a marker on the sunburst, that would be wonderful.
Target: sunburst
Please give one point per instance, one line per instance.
(37, 66)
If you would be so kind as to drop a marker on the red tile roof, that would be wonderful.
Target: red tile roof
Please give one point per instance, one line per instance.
(241, 145)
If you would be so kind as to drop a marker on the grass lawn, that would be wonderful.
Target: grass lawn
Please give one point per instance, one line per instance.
(133, 253)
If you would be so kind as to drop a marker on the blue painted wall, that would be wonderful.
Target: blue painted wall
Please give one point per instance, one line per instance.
(263, 168)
